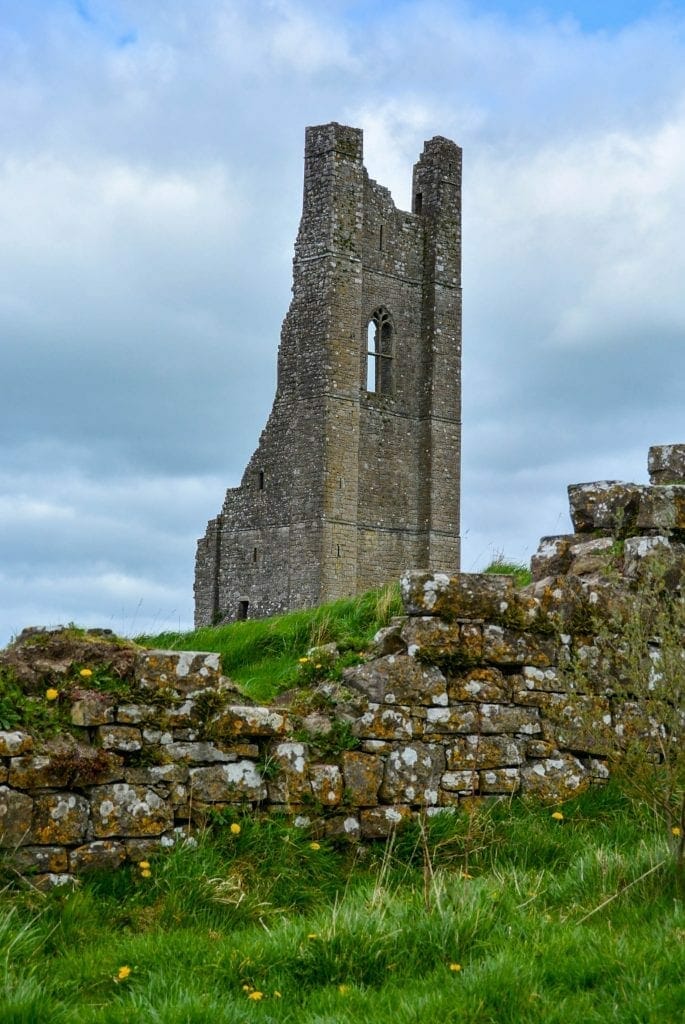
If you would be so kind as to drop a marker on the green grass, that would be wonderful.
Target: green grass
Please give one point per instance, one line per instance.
(505, 891)
(261, 655)
(501, 567)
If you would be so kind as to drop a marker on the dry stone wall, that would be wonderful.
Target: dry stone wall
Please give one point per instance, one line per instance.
(465, 696)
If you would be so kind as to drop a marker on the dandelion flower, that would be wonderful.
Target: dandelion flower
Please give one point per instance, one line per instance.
(675, 831)
(144, 865)
(86, 673)
(558, 816)
(315, 846)
(312, 935)
(256, 995)
(235, 829)
(455, 967)
(123, 973)
(146, 873)
(51, 694)
(303, 661)
(248, 988)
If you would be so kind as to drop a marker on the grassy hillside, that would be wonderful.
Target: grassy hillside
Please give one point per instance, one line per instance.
(506, 914)
(262, 655)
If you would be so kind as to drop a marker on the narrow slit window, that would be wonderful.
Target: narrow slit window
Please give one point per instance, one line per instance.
(418, 202)
(380, 238)
(254, 554)
(379, 353)
(260, 482)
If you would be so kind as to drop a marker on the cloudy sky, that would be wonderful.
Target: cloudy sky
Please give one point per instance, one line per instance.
(150, 190)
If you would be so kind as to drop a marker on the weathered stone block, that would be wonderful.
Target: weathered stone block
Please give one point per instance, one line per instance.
(480, 684)
(380, 822)
(482, 719)
(552, 557)
(362, 775)
(291, 785)
(125, 810)
(581, 722)
(662, 509)
(101, 855)
(500, 780)
(592, 557)
(471, 752)
(609, 507)
(464, 781)
(198, 753)
(465, 596)
(180, 671)
(327, 784)
(555, 778)
(92, 708)
(343, 826)
(15, 742)
(158, 775)
(503, 646)
(666, 464)
(227, 783)
(123, 739)
(16, 812)
(32, 859)
(138, 714)
(59, 818)
(389, 640)
(412, 773)
(398, 679)
(433, 639)
(238, 721)
(384, 723)
(546, 679)
(64, 765)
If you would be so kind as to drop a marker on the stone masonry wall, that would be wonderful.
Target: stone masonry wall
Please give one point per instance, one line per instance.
(465, 696)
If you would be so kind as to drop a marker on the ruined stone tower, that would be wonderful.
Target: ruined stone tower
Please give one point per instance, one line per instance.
(356, 476)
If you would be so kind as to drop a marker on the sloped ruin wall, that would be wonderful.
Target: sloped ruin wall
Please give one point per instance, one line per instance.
(465, 695)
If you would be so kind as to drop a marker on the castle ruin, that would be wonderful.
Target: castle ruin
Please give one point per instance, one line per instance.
(356, 476)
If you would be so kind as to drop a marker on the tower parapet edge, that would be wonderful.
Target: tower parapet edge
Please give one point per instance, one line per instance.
(341, 494)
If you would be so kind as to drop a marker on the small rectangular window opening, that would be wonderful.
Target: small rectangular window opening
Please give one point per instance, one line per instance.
(261, 480)
(338, 551)
(242, 609)
(380, 239)
(418, 202)
(254, 554)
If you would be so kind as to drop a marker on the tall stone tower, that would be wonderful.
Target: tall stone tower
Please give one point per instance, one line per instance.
(356, 476)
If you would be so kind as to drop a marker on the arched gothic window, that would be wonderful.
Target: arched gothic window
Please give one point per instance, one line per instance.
(379, 353)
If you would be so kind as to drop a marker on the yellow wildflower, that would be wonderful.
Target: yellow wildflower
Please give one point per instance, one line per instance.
(86, 673)
(455, 967)
(248, 988)
(315, 846)
(303, 661)
(256, 995)
(343, 989)
(312, 935)
(235, 829)
(317, 666)
(558, 816)
(123, 973)
(277, 994)
(675, 831)
(146, 873)
(51, 694)
(144, 865)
